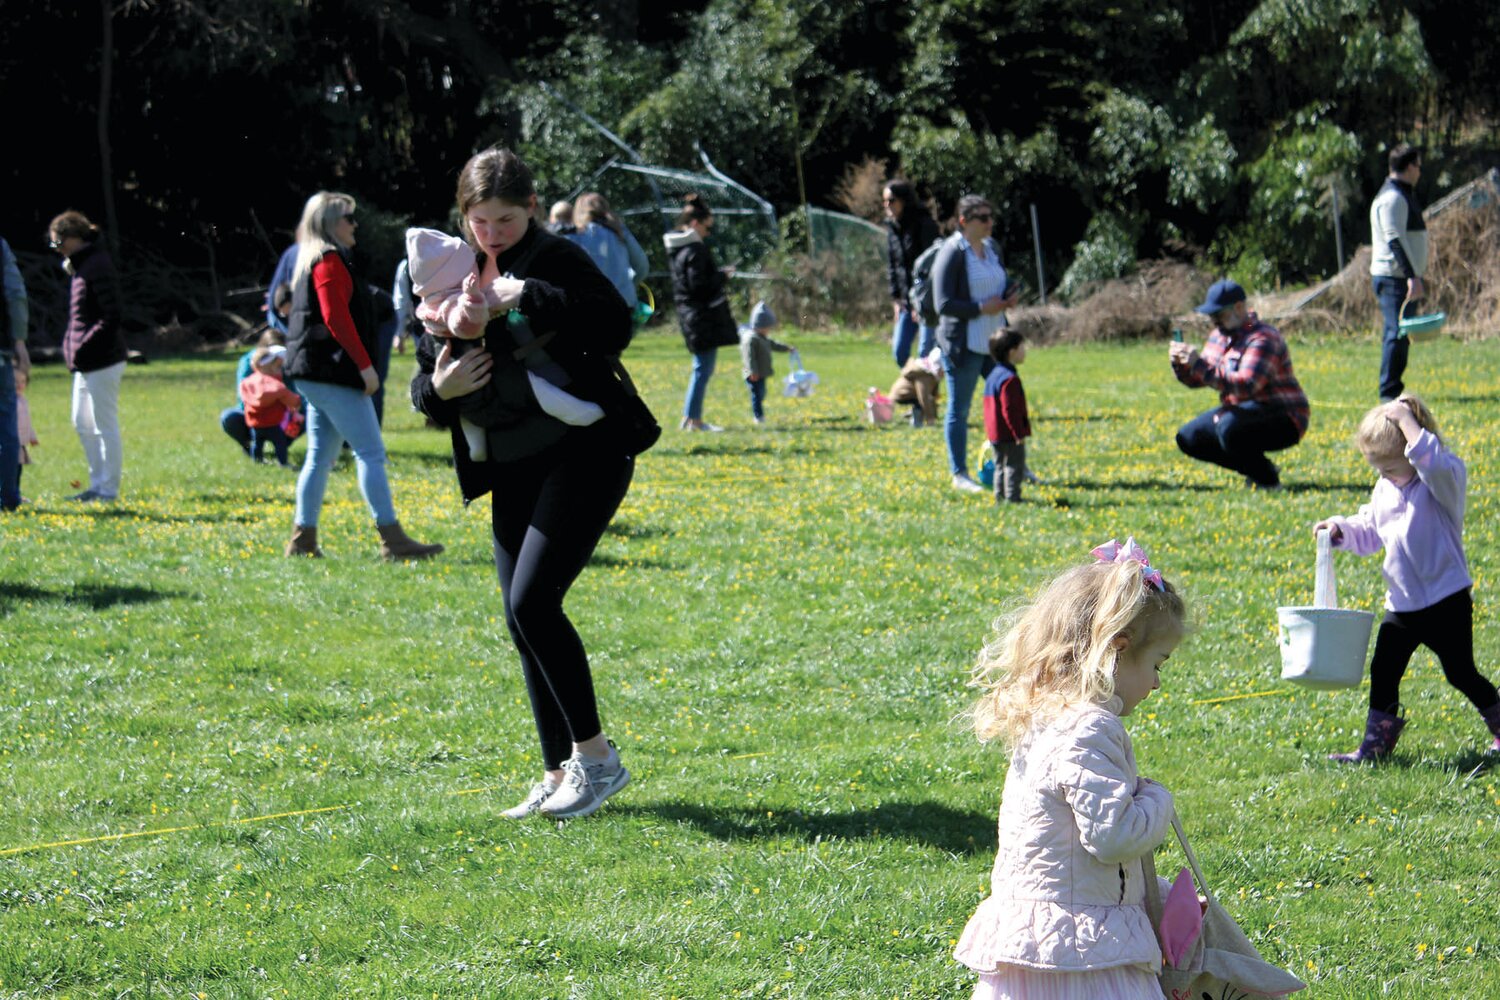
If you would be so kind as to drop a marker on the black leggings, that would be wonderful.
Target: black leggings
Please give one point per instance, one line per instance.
(1446, 628)
(549, 511)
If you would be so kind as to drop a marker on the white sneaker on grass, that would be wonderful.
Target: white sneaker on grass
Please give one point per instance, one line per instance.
(586, 784)
(532, 803)
(963, 482)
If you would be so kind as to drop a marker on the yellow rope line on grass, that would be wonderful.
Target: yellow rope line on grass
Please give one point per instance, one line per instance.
(163, 831)
(1237, 697)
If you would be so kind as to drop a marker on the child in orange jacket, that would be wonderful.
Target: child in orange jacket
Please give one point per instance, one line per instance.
(267, 400)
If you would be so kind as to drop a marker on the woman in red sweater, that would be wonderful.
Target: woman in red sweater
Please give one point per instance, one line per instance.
(329, 346)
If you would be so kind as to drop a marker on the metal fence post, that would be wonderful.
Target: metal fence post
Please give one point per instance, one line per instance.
(1036, 242)
(1338, 227)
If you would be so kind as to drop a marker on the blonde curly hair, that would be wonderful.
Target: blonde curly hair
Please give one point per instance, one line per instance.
(1060, 650)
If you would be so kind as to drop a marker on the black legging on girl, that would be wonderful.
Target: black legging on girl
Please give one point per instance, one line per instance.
(1446, 628)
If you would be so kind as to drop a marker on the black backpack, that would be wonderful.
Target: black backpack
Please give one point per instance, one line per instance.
(921, 295)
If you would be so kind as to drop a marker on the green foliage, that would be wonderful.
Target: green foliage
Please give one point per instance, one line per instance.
(1290, 219)
(1106, 251)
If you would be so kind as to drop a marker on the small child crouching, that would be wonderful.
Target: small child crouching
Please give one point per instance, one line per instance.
(1005, 419)
(267, 400)
(756, 346)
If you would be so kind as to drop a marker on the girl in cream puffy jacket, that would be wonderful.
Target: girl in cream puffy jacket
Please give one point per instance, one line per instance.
(1066, 917)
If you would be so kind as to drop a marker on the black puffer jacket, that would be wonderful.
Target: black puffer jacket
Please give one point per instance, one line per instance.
(565, 295)
(698, 292)
(906, 238)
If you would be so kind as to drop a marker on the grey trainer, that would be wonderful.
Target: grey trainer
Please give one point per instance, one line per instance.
(532, 803)
(586, 784)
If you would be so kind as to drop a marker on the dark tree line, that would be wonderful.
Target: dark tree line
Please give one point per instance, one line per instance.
(194, 129)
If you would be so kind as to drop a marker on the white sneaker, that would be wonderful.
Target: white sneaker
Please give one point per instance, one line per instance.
(540, 792)
(963, 482)
(586, 784)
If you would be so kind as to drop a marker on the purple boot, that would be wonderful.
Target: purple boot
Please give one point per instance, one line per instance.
(1492, 719)
(1382, 729)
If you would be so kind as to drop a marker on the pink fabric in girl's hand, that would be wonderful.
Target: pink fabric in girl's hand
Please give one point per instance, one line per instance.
(1181, 919)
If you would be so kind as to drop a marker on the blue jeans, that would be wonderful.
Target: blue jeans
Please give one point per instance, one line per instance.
(233, 422)
(757, 398)
(336, 413)
(1238, 437)
(703, 367)
(275, 437)
(1390, 292)
(10, 438)
(905, 332)
(962, 377)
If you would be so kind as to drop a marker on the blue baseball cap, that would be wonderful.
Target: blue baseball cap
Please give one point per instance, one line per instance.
(1221, 295)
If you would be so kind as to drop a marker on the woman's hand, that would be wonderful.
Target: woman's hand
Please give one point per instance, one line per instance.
(372, 380)
(992, 305)
(453, 377)
(898, 309)
(1335, 533)
(504, 294)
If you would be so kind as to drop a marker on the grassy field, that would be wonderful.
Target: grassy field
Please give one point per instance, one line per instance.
(227, 774)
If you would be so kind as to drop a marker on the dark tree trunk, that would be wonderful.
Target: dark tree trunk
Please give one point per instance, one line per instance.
(106, 167)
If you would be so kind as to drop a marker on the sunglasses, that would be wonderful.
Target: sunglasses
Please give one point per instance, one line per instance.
(981, 217)
(351, 220)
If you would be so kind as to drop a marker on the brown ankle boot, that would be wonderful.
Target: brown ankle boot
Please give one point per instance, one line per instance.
(304, 542)
(394, 544)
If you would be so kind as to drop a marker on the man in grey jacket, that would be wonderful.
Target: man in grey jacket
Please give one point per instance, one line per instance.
(1398, 259)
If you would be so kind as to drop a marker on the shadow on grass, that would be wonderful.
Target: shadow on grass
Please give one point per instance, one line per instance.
(928, 823)
(625, 562)
(622, 528)
(95, 596)
(158, 517)
(1163, 486)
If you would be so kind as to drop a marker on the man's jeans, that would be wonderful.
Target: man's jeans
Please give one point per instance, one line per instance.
(1238, 437)
(1390, 292)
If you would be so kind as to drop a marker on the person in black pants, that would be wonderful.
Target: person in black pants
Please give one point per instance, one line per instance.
(555, 485)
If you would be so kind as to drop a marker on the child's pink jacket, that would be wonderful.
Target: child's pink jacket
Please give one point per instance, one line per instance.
(1067, 893)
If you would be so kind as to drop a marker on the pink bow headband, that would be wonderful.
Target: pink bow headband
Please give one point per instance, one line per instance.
(1113, 551)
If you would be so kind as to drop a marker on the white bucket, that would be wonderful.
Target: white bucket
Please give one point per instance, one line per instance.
(1324, 648)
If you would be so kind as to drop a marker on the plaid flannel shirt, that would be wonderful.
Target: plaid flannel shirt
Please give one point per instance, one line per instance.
(1252, 364)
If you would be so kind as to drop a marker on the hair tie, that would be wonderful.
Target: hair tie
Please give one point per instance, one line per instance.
(1113, 551)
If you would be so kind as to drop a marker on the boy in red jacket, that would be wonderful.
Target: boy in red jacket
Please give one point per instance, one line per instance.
(1005, 421)
(267, 400)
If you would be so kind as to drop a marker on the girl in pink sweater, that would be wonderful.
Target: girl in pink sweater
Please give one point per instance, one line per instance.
(1066, 917)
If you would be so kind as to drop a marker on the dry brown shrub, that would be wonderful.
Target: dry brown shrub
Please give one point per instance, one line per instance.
(1149, 303)
(859, 191)
(832, 289)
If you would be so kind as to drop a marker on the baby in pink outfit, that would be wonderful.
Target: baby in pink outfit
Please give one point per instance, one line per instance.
(444, 277)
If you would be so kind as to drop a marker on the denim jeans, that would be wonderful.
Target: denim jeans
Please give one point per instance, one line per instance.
(233, 422)
(757, 398)
(962, 377)
(1390, 293)
(703, 367)
(1238, 437)
(275, 437)
(336, 413)
(10, 439)
(905, 331)
(96, 418)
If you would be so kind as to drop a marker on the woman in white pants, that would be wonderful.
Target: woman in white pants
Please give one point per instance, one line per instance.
(94, 350)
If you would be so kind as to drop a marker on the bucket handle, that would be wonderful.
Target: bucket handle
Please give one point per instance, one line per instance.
(1325, 589)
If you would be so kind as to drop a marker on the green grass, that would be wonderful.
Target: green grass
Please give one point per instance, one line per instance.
(781, 621)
